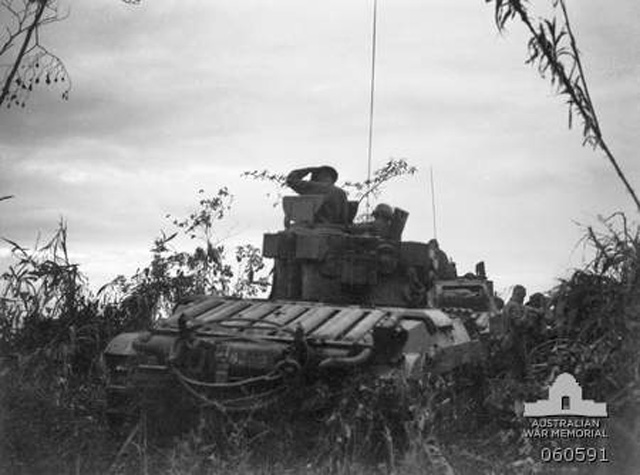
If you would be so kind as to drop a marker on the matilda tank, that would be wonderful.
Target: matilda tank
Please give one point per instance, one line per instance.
(344, 299)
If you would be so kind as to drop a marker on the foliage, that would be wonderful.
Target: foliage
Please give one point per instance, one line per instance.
(53, 330)
(45, 300)
(553, 50)
(394, 168)
(592, 332)
(51, 423)
(174, 274)
(52, 400)
(27, 62)
(43, 294)
(598, 309)
(33, 64)
(361, 424)
(51, 336)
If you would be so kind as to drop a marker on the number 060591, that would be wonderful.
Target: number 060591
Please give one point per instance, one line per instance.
(574, 454)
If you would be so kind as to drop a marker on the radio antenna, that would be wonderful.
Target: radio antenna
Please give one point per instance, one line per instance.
(371, 97)
(433, 204)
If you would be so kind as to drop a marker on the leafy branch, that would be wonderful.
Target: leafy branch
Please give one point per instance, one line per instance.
(553, 50)
(178, 270)
(33, 64)
(27, 63)
(394, 168)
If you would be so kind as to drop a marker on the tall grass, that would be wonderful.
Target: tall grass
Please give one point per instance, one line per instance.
(53, 330)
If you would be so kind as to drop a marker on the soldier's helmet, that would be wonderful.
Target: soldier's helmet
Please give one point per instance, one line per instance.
(519, 290)
(325, 169)
(383, 210)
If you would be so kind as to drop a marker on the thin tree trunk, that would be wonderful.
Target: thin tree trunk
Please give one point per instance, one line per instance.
(14, 69)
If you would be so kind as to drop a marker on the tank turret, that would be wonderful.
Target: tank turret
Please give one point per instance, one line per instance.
(345, 264)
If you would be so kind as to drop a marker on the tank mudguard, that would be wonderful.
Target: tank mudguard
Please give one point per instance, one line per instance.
(436, 342)
(122, 345)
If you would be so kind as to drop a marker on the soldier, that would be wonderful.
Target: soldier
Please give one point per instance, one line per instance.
(514, 342)
(335, 207)
(538, 316)
(537, 304)
(514, 309)
(442, 268)
(381, 224)
(382, 217)
(415, 293)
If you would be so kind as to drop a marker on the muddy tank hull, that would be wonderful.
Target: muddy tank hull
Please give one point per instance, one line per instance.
(241, 355)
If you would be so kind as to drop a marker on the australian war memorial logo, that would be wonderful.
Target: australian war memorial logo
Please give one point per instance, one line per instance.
(565, 414)
(565, 399)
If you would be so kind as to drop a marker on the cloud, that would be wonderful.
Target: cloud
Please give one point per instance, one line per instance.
(170, 97)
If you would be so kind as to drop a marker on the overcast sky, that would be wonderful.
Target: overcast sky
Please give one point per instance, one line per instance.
(172, 96)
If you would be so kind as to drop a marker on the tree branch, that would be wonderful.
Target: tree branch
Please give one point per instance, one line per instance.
(551, 59)
(9, 79)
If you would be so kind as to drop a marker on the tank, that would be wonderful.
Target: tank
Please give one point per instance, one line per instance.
(345, 299)
(471, 298)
